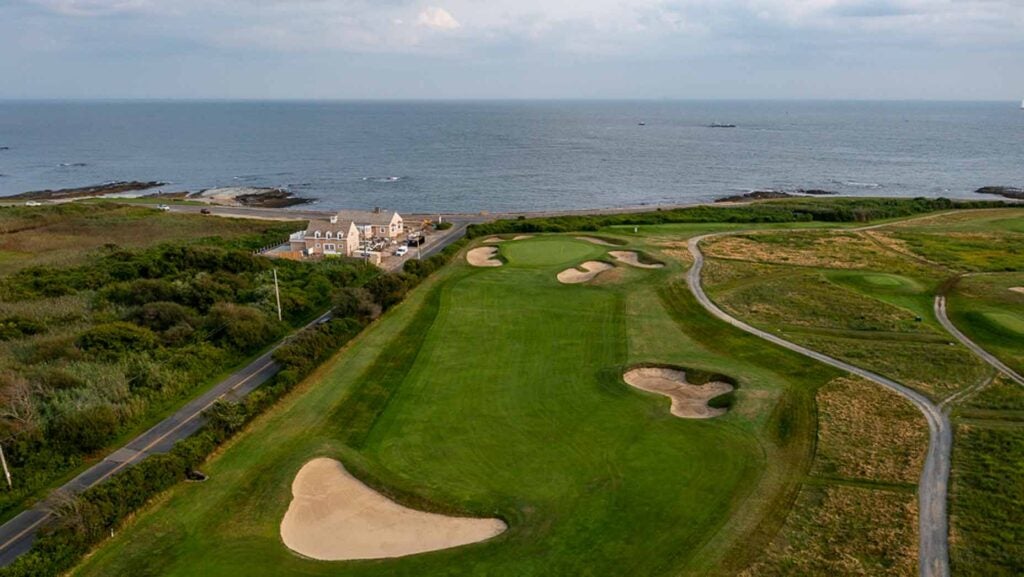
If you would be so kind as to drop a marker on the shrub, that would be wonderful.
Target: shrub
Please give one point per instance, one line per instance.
(241, 327)
(116, 338)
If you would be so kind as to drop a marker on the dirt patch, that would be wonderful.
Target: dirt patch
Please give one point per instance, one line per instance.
(632, 259)
(688, 401)
(333, 516)
(522, 237)
(483, 256)
(596, 240)
(1017, 289)
(591, 268)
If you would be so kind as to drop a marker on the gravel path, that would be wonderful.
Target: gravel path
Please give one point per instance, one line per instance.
(933, 551)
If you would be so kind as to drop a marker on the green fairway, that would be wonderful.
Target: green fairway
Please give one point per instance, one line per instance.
(1007, 321)
(497, 392)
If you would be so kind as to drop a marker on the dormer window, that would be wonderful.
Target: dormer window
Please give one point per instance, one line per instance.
(316, 234)
(329, 235)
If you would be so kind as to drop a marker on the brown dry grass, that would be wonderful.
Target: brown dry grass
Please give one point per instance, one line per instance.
(676, 250)
(838, 531)
(867, 432)
(847, 250)
(66, 235)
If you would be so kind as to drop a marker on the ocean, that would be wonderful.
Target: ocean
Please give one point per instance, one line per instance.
(515, 155)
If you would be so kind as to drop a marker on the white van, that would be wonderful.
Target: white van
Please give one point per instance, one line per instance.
(400, 251)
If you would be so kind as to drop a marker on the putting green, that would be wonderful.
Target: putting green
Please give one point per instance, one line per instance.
(1009, 321)
(884, 280)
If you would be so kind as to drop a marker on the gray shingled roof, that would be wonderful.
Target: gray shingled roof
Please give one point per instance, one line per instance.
(338, 228)
(366, 217)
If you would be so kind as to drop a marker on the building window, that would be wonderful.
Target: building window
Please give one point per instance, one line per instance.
(317, 235)
(328, 234)
(318, 245)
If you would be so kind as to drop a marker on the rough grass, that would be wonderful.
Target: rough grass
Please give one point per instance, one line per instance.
(810, 299)
(819, 249)
(67, 234)
(867, 432)
(514, 406)
(987, 311)
(987, 534)
(844, 531)
(935, 369)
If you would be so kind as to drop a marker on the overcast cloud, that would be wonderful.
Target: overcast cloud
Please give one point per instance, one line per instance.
(933, 49)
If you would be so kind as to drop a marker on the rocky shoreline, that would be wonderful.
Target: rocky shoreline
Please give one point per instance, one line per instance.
(1012, 192)
(87, 191)
(775, 194)
(251, 197)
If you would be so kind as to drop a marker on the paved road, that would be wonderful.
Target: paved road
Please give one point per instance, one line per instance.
(940, 313)
(17, 535)
(933, 560)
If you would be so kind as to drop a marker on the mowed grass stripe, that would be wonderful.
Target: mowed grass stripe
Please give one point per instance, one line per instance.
(378, 384)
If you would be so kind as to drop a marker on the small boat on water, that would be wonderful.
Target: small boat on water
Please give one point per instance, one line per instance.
(721, 125)
(641, 123)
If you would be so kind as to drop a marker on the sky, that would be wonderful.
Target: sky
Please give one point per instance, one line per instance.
(444, 49)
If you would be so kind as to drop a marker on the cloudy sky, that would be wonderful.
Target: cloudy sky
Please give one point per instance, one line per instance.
(860, 49)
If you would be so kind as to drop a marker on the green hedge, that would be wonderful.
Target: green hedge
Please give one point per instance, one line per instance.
(792, 210)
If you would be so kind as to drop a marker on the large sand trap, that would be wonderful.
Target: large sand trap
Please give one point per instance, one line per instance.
(522, 237)
(493, 239)
(595, 240)
(688, 401)
(1018, 289)
(333, 517)
(632, 259)
(575, 276)
(483, 256)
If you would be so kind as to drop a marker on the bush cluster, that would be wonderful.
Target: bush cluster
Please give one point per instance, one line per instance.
(91, 350)
(85, 520)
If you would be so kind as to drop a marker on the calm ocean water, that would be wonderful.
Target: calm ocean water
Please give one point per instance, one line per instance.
(470, 156)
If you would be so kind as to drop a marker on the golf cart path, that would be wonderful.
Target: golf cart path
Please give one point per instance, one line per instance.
(940, 313)
(933, 554)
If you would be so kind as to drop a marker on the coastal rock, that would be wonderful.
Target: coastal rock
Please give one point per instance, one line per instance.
(755, 195)
(255, 197)
(1013, 192)
(87, 191)
(774, 194)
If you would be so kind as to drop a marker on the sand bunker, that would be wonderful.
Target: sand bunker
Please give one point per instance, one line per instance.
(632, 259)
(483, 256)
(493, 239)
(1018, 289)
(334, 516)
(522, 237)
(688, 401)
(595, 240)
(575, 276)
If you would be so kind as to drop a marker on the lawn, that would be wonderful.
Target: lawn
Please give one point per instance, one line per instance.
(499, 392)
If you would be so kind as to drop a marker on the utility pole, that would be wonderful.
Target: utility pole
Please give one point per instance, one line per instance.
(277, 293)
(7, 472)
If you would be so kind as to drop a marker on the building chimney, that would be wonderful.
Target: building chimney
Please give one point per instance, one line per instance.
(376, 210)
(334, 219)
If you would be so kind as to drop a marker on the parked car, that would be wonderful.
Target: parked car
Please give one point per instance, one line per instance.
(400, 251)
(33, 203)
(205, 211)
(163, 207)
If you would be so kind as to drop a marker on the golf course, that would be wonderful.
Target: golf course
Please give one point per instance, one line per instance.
(556, 404)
